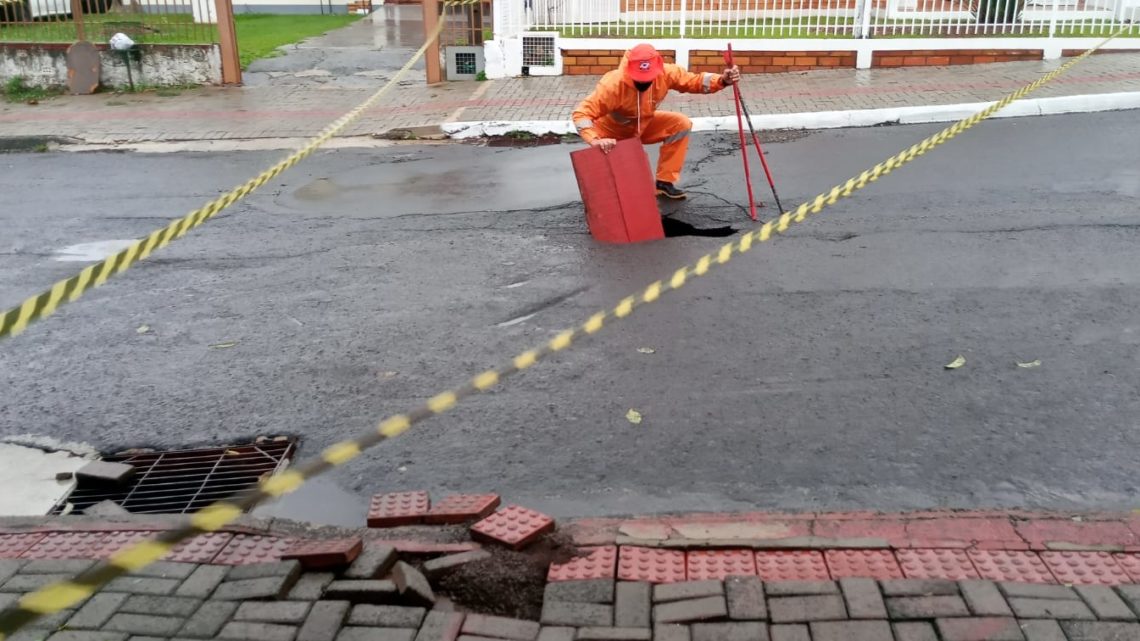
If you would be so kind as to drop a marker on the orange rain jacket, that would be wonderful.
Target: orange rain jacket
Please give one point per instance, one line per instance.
(616, 109)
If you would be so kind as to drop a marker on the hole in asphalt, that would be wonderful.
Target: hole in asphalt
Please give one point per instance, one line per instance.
(675, 228)
(183, 481)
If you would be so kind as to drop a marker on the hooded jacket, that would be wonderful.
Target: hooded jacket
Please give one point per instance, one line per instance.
(618, 109)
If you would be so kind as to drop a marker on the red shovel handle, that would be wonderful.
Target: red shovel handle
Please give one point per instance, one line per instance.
(728, 55)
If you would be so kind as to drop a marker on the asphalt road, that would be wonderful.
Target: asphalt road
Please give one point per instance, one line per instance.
(807, 375)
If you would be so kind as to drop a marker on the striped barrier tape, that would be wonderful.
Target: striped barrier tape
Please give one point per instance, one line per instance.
(62, 595)
(46, 303)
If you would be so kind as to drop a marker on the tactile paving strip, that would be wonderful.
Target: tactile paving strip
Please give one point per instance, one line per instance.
(399, 508)
(1004, 565)
(460, 508)
(246, 549)
(514, 526)
(791, 565)
(1131, 564)
(1085, 568)
(13, 545)
(719, 564)
(936, 564)
(598, 563)
(654, 565)
(67, 545)
(200, 549)
(867, 564)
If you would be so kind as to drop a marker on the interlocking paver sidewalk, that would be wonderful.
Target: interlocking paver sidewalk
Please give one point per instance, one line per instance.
(301, 110)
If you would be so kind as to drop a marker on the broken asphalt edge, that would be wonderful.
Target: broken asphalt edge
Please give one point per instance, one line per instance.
(1087, 103)
(980, 529)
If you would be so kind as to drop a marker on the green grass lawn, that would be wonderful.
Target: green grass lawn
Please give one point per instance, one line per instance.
(259, 35)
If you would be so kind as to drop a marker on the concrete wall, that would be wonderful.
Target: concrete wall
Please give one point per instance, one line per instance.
(45, 65)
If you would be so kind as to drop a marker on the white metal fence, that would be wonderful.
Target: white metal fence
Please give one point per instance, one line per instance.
(814, 18)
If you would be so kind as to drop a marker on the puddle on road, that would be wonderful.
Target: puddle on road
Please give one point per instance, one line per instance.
(91, 252)
(321, 502)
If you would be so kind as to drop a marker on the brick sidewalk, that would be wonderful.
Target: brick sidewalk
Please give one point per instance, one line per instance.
(303, 110)
(925, 576)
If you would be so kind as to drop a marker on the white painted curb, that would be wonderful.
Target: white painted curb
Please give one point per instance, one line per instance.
(834, 119)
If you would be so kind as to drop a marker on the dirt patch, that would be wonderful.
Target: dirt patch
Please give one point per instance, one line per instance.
(510, 583)
(526, 139)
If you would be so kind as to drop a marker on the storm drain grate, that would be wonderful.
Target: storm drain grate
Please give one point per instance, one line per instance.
(183, 481)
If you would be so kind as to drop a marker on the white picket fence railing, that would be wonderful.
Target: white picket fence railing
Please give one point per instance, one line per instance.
(813, 18)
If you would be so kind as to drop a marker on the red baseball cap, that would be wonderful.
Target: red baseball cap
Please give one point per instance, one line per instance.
(645, 64)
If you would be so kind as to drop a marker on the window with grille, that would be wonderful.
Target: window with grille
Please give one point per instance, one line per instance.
(538, 51)
(466, 64)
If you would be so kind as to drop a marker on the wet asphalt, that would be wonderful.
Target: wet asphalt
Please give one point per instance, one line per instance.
(807, 375)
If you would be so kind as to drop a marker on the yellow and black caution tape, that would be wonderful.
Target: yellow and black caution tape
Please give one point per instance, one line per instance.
(59, 596)
(44, 304)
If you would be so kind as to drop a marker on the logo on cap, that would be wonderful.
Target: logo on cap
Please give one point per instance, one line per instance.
(644, 65)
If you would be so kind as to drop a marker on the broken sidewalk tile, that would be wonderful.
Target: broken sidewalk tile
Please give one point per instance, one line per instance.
(444, 564)
(513, 526)
(687, 590)
(693, 610)
(462, 508)
(104, 472)
(412, 584)
(398, 508)
(374, 592)
(325, 554)
(373, 562)
(595, 563)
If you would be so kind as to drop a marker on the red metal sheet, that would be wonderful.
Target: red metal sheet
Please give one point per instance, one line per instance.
(618, 191)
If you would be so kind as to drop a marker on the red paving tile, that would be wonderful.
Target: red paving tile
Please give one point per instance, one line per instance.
(654, 565)
(326, 553)
(399, 508)
(791, 565)
(513, 526)
(117, 541)
(13, 545)
(871, 564)
(1005, 565)
(1084, 568)
(67, 545)
(461, 508)
(936, 564)
(892, 531)
(597, 563)
(200, 549)
(718, 564)
(247, 549)
(951, 532)
(1130, 563)
(1041, 532)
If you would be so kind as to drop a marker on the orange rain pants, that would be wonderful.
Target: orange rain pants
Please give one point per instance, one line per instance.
(669, 128)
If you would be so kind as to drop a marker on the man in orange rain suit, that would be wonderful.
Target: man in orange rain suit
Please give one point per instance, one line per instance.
(624, 105)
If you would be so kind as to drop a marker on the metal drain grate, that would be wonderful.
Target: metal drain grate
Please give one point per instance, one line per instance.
(183, 481)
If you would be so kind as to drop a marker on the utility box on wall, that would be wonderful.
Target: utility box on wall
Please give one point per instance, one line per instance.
(464, 63)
